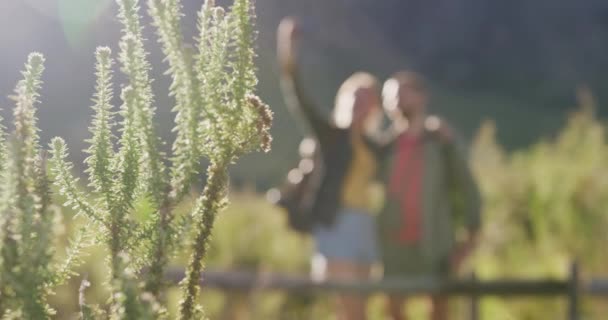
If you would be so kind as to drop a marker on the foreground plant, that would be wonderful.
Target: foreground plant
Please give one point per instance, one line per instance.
(28, 271)
(218, 117)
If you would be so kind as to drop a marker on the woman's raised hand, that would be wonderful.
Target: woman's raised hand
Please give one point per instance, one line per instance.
(287, 35)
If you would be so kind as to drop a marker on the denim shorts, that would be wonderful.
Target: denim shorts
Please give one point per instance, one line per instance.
(351, 238)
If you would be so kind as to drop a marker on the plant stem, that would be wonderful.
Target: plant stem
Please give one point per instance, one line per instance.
(154, 284)
(116, 263)
(206, 209)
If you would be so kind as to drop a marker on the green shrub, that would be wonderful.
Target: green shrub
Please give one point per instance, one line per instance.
(544, 209)
(26, 273)
(217, 117)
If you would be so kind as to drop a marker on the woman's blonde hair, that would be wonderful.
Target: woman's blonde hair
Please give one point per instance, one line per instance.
(395, 82)
(345, 98)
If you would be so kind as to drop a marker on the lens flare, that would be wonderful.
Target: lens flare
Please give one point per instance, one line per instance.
(77, 17)
(47, 8)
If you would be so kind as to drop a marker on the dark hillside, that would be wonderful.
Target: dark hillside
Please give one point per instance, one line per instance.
(515, 61)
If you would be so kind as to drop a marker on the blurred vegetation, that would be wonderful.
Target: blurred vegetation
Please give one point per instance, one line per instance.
(544, 208)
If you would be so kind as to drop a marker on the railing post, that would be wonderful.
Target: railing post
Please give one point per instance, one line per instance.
(573, 294)
(474, 311)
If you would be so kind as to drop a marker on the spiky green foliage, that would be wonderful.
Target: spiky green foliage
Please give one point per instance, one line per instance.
(217, 116)
(114, 179)
(135, 66)
(188, 104)
(101, 144)
(240, 121)
(27, 269)
(25, 224)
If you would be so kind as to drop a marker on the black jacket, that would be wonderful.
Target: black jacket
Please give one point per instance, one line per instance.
(335, 150)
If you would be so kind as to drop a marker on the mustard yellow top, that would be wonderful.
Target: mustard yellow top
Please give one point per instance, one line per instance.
(359, 190)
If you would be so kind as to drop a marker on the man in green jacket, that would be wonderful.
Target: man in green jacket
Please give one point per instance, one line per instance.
(432, 211)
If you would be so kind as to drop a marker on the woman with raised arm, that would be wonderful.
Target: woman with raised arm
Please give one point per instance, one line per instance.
(345, 235)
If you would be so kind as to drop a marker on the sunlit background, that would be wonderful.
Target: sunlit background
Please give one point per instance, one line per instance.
(518, 63)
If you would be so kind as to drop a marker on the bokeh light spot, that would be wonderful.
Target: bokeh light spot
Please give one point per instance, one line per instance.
(77, 16)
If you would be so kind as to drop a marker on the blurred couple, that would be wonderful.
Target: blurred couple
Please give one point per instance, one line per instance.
(429, 193)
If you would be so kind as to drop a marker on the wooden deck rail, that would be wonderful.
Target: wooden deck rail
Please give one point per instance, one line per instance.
(570, 288)
(245, 281)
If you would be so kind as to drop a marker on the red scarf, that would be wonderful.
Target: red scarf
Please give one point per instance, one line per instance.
(406, 186)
